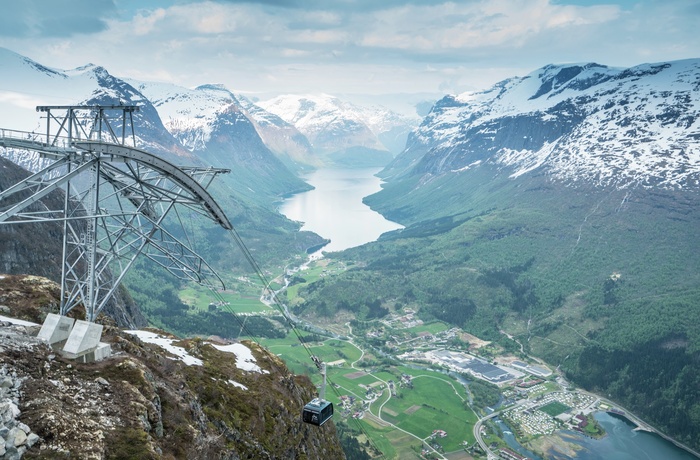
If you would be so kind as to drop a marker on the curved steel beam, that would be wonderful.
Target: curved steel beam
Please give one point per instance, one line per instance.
(156, 163)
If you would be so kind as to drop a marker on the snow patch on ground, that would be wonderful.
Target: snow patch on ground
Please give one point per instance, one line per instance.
(239, 385)
(167, 344)
(244, 357)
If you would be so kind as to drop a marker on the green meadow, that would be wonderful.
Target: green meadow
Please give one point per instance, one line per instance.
(239, 301)
(435, 401)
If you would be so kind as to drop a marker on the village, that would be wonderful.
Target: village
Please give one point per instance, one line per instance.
(535, 401)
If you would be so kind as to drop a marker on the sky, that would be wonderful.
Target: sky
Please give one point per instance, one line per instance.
(369, 47)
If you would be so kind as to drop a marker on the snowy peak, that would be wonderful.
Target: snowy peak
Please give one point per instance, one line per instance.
(577, 123)
(283, 138)
(556, 79)
(332, 125)
(211, 123)
(14, 63)
(27, 84)
(188, 114)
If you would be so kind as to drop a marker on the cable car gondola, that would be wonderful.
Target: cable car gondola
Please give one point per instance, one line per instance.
(318, 411)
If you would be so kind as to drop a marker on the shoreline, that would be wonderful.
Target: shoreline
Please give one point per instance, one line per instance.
(640, 425)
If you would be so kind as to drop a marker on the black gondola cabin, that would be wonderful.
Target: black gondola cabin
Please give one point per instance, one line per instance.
(317, 412)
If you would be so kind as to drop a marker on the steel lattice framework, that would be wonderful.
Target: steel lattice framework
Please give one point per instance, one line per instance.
(116, 201)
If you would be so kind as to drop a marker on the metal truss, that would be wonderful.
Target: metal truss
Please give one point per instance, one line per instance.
(117, 200)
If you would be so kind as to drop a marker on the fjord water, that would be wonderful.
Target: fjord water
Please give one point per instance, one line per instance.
(621, 442)
(334, 209)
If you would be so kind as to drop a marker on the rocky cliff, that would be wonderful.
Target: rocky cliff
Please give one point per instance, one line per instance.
(156, 397)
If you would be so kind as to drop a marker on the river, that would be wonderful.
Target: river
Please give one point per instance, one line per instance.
(334, 208)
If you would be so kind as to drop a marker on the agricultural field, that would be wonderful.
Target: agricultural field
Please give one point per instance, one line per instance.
(200, 297)
(433, 327)
(554, 408)
(432, 401)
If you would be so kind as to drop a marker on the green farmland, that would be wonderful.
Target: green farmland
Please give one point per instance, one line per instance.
(432, 401)
(199, 298)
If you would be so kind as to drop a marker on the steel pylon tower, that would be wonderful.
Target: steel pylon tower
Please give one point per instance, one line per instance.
(116, 201)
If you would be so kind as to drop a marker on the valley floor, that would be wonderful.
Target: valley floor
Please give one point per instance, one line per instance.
(409, 384)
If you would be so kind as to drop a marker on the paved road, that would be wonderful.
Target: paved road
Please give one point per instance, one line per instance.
(477, 434)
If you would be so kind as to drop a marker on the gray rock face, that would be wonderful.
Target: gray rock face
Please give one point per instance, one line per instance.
(15, 436)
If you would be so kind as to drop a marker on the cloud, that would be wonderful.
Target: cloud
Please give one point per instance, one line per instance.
(335, 45)
(54, 18)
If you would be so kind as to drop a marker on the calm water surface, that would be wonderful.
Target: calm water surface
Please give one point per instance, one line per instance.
(620, 443)
(334, 209)
(623, 443)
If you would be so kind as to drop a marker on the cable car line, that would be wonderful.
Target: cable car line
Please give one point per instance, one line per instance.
(278, 304)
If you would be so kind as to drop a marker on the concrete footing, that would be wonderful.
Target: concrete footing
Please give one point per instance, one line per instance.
(79, 340)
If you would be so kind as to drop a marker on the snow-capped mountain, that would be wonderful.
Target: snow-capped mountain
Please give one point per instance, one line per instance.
(283, 138)
(27, 84)
(577, 123)
(334, 126)
(210, 122)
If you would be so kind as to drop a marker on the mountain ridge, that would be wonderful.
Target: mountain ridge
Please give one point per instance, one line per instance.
(591, 123)
(334, 126)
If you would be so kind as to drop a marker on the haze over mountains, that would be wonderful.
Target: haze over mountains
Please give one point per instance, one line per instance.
(210, 117)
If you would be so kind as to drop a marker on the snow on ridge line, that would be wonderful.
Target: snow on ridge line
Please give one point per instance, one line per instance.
(244, 357)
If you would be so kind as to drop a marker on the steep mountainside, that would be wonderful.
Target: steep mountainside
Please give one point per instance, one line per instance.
(292, 147)
(210, 123)
(28, 84)
(562, 209)
(157, 396)
(340, 131)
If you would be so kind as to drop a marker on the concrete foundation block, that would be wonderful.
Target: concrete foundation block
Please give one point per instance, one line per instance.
(84, 337)
(56, 328)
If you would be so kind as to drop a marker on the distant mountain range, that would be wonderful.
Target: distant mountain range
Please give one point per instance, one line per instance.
(208, 126)
(341, 130)
(181, 122)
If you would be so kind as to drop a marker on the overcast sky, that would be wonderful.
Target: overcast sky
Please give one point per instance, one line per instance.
(346, 46)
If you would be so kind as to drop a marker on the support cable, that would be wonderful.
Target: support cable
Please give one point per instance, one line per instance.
(278, 304)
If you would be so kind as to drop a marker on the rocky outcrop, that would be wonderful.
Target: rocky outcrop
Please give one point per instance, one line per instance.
(144, 402)
(15, 436)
